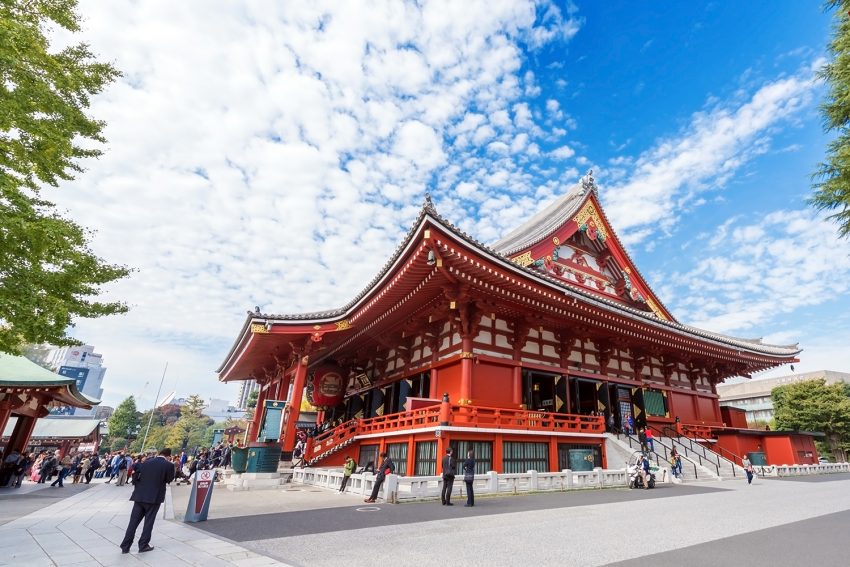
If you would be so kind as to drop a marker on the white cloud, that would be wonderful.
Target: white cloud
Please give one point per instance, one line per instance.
(257, 152)
(750, 276)
(703, 157)
(564, 152)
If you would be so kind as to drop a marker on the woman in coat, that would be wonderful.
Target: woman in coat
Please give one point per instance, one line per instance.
(468, 468)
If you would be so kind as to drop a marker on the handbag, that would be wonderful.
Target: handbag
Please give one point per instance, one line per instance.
(468, 477)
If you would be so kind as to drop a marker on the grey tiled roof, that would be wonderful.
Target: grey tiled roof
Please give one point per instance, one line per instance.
(561, 209)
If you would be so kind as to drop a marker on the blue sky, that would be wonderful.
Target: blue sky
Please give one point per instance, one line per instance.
(274, 155)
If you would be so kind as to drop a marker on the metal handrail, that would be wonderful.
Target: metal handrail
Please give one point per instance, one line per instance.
(667, 455)
(657, 455)
(718, 453)
(678, 438)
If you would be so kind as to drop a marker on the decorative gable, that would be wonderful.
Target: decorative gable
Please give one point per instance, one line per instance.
(572, 241)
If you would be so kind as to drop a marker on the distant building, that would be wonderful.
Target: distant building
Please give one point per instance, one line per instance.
(245, 389)
(78, 362)
(103, 412)
(215, 408)
(753, 396)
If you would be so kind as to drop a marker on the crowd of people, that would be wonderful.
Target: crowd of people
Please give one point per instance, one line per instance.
(53, 467)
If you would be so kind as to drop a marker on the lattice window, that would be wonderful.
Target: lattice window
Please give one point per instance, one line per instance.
(523, 457)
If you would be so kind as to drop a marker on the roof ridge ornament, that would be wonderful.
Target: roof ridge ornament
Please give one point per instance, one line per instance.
(588, 183)
(429, 204)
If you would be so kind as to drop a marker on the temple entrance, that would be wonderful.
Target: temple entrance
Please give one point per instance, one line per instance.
(584, 398)
(539, 391)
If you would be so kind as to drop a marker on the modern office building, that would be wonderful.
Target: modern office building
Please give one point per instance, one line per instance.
(78, 362)
(753, 396)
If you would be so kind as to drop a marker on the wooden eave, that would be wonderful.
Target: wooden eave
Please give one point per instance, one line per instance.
(265, 339)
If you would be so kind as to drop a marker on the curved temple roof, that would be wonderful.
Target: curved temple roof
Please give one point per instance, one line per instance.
(20, 372)
(528, 234)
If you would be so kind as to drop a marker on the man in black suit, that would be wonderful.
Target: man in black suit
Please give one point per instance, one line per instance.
(449, 471)
(149, 480)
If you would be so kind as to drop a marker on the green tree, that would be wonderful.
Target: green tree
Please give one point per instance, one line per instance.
(832, 185)
(48, 274)
(125, 420)
(815, 406)
(117, 443)
(190, 430)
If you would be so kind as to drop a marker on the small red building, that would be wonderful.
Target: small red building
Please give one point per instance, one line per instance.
(538, 341)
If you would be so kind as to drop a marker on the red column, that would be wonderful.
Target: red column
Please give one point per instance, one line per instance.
(517, 386)
(433, 391)
(21, 434)
(283, 388)
(466, 372)
(553, 455)
(5, 414)
(254, 429)
(295, 404)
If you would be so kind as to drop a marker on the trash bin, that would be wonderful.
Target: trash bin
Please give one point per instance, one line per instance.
(239, 459)
(263, 457)
(581, 459)
(757, 458)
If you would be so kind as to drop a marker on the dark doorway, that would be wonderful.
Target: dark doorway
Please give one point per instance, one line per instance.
(539, 390)
(584, 399)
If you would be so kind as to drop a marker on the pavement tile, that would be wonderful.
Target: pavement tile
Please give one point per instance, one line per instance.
(256, 562)
(238, 555)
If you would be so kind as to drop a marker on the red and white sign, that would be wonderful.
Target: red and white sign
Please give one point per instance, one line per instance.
(205, 479)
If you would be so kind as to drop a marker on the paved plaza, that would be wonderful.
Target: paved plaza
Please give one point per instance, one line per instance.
(777, 522)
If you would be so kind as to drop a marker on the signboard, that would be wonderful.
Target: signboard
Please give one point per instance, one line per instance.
(272, 417)
(78, 374)
(199, 500)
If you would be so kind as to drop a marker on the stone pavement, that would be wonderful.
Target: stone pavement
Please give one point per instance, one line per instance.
(86, 528)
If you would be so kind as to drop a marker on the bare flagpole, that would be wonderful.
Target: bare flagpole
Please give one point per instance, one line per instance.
(153, 409)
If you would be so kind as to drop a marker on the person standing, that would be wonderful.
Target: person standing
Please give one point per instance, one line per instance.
(469, 478)
(149, 480)
(66, 468)
(748, 468)
(123, 464)
(347, 471)
(449, 471)
(387, 467)
(94, 465)
(642, 440)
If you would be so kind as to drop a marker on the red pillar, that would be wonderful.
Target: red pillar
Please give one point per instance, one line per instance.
(21, 434)
(254, 429)
(516, 398)
(466, 372)
(283, 388)
(295, 404)
(553, 455)
(5, 414)
(433, 391)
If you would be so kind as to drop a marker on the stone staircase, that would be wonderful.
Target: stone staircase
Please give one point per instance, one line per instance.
(698, 463)
(715, 466)
(331, 451)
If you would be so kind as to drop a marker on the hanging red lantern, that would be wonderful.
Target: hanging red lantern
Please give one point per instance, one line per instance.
(327, 386)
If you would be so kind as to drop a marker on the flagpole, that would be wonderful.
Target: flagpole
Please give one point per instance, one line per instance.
(153, 409)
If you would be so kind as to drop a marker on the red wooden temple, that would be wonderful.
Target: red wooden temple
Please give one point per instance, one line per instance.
(523, 350)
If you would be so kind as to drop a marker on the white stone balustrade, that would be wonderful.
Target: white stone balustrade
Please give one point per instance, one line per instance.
(400, 488)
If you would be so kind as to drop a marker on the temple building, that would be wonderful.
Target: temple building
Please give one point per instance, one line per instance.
(525, 350)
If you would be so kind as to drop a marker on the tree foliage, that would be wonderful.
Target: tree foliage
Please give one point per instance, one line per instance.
(48, 273)
(125, 420)
(813, 405)
(832, 185)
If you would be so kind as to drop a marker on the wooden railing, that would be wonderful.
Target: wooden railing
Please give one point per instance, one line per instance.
(502, 418)
(458, 416)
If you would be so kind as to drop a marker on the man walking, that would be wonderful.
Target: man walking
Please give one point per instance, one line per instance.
(149, 480)
(449, 471)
